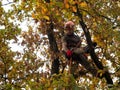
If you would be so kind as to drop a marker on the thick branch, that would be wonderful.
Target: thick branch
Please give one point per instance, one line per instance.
(54, 48)
(92, 52)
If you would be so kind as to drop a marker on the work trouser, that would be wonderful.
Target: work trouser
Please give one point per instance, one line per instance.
(81, 59)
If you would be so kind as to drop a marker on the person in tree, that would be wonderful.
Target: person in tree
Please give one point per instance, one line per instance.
(71, 46)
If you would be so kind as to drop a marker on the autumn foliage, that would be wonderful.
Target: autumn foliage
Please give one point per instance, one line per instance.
(37, 62)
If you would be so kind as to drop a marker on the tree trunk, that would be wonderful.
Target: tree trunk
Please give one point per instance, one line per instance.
(54, 49)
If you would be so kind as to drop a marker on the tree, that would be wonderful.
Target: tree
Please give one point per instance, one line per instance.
(21, 69)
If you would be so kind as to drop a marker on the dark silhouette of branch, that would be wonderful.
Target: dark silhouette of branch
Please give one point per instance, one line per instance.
(92, 52)
(8, 3)
(47, 1)
(54, 49)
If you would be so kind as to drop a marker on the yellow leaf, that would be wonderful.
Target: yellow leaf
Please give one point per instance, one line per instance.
(100, 72)
(50, 88)
(46, 17)
(83, 4)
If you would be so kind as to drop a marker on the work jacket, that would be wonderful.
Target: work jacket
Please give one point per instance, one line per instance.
(70, 41)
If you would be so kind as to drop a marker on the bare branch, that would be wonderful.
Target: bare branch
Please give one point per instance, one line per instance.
(8, 3)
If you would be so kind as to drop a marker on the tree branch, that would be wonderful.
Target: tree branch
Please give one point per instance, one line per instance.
(54, 48)
(7, 3)
(89, 42)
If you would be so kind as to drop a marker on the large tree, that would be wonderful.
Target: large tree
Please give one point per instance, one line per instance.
(96, 20)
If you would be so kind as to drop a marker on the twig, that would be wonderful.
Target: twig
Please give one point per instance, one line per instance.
(7, 3)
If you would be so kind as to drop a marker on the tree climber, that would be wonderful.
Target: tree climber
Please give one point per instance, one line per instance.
(71, 46)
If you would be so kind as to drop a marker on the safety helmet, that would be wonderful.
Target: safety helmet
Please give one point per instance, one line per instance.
(69, 24)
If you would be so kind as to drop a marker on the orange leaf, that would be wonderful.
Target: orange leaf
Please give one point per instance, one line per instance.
(67, 5)
(74, 9)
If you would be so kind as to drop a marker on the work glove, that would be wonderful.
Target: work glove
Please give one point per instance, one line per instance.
(69, 53)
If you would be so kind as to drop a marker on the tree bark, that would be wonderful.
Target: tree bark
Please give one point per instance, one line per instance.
(54, 49)
(53, 46)
(92, 52)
